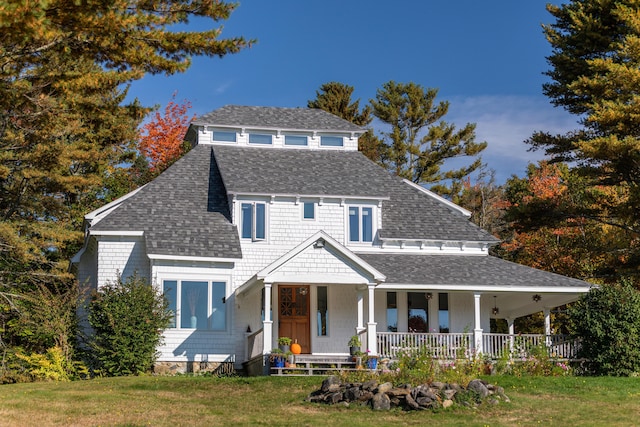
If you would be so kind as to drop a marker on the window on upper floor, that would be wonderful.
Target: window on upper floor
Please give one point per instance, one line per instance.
(197, 304)
(308, 210)
(295, 140)
(360, 224)
(224, 136)
(260, 138)
(331, 141)
(253, 221)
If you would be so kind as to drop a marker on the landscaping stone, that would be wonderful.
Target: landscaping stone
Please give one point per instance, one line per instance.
(384, 396)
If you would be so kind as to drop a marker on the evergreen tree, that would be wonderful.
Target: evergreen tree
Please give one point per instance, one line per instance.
(420, 141)
(335, 98)
(596, 76)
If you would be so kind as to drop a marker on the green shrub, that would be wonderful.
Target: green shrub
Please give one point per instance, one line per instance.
(607, 319)
(52, 366)
(128, 319)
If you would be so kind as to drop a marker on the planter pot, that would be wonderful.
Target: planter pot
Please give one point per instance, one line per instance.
(372, 363)
(353, 350)
(284, 348)
(278, 362)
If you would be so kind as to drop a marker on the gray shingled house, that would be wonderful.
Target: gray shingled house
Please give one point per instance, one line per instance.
(275, 225)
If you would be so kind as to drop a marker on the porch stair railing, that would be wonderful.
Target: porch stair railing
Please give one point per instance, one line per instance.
(448, 346)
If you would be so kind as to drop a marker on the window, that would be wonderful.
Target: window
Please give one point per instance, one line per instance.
(197, 304)
(360, 224)
(443, 312)
(224, 136)
(260, 138)
(323, 311)
(295, 140)
(308, 210)
(392, 312)
(418, 312)
(331, 141)
(253, 221)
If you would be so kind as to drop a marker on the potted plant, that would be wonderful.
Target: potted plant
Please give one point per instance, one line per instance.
(284, 343)
(354, 345)
(277, 358)
(371, 361)
(290, 360)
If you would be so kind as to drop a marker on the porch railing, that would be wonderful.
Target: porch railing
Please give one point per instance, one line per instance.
(521, 345)
(442, 346)
(456, 345)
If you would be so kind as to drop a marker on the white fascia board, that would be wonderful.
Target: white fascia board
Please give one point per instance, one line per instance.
(136, 233)
(320, 235)
(309, 196)
(191, 258)
(441, 199)
(100, 212)
(315, 279)
(487, 288)
(282, 130)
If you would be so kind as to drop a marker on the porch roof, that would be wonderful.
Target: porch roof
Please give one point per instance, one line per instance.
(468, 273)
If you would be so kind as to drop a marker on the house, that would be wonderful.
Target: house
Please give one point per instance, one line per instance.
(275, 225)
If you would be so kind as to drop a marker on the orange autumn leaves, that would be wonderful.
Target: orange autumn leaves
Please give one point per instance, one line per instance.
(162, 139)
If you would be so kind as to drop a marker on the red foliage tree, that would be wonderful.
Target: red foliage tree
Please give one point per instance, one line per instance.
(162, 139)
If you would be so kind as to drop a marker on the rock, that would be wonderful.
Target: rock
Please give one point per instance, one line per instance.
(385, 387)
(352, 394)
(334, 398)
(370, 385)
(398, 392)
(381, 402)
(365, 396)
(411, 403)
(423, 401)
(329, 382)
(479, 387)
(448, 394)
(438, 385)
(447, 403)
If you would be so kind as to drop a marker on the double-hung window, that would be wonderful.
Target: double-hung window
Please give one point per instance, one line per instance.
(360, 224)
(253, 221)
(197, 304)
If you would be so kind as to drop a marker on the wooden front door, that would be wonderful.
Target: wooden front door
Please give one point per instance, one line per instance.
(293, 314)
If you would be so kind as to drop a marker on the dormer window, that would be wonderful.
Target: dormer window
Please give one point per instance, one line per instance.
(260, 138)
(360, 224)
(253, 221)
(224, 136)
(298, 140)
(331, 141)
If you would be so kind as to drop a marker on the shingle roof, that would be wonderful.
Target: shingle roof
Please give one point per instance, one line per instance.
(300, 172)
(459, 270)
(183, 212)
(409, 214)
(277, 118)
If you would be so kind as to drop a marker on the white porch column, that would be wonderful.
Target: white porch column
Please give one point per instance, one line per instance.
(360, 327)
(547, 326)
(477, 330)
(372, 334)
(512, 332)
(267, 324)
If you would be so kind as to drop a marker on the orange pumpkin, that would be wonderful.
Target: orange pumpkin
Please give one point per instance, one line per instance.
(296, 348)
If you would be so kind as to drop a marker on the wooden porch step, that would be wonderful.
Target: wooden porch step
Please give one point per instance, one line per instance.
(308, 364)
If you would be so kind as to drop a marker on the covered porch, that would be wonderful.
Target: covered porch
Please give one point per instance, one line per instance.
(394, 302)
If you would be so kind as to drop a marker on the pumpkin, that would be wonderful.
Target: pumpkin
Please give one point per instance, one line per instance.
(296, 348)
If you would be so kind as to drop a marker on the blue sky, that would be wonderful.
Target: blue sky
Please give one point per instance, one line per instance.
(485, 57)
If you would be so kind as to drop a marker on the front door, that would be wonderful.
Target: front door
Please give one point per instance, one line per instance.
(293, 314)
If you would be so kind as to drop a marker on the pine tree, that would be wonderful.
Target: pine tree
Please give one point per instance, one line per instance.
(420, 141)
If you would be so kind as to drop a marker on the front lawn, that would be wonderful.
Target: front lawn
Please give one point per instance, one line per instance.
(195, 401)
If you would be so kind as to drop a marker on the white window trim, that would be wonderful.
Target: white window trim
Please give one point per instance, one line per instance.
(214, 131)
(374, 224)
(253, 237)
(341, 137)
(315, 210)
(210, 279)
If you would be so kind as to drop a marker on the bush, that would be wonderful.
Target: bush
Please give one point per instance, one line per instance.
(607, 319)
(128, 319)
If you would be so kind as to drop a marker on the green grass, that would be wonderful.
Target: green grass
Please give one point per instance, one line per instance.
(265, 401)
